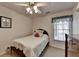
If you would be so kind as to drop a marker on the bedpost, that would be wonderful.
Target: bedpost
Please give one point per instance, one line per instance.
(66, 45)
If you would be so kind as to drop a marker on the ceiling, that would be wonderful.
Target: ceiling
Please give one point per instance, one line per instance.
(50, 8)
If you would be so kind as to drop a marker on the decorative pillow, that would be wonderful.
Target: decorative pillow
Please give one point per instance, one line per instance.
(38, 33)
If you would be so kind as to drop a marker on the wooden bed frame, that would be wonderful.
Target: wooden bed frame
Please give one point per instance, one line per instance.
(16, 51)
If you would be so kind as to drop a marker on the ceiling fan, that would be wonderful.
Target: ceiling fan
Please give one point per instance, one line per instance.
(32, 7)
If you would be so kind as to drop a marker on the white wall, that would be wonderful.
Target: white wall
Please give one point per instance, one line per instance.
(76, 24)
(45, 23)
(21, 26)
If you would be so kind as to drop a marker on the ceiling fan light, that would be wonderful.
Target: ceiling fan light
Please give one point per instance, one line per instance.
(36, 11)
(31, 12)
(28, 9)
(34, 7)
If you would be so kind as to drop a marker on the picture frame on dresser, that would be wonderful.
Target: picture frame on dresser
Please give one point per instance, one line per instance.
(5, 22)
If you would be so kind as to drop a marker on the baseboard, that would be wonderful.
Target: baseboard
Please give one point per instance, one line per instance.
(2, 53)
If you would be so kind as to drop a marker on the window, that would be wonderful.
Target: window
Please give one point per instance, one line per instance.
(61, 26)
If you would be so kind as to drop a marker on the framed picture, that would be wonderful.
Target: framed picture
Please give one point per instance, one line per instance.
(5, 22)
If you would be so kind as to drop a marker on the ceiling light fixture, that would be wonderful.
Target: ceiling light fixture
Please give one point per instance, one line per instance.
(32, 9)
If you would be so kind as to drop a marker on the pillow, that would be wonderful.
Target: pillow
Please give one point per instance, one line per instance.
(38, 33)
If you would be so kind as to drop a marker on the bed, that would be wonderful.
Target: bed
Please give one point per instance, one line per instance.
(30, 46)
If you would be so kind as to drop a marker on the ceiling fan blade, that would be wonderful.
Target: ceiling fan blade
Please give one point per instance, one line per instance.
(41, 4)
(22, 5)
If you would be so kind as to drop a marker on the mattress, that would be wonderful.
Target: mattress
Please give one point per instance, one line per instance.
(31, 46)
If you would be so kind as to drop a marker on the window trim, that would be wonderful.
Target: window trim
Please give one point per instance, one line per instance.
(60, 17)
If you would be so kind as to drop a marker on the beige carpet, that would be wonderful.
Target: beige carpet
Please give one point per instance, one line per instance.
(48, 52)
(53, 52)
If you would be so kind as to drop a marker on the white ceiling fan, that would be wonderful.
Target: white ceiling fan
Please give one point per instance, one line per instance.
(32, 7)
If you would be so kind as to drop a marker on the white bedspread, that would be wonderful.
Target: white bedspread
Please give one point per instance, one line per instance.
(31, 46)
